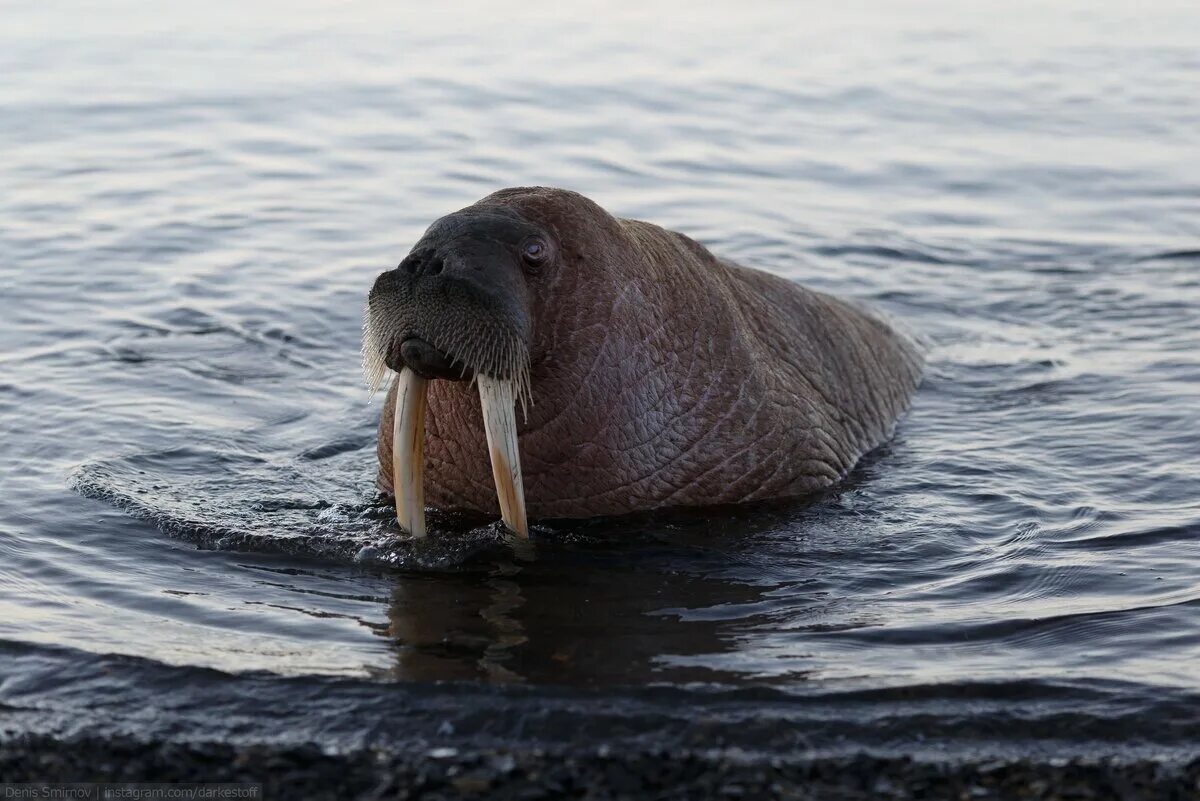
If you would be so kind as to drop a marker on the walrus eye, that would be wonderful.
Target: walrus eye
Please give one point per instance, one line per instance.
(534, 250)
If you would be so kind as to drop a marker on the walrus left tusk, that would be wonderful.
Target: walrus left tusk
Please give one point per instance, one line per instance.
(408, 452)
(500, 425)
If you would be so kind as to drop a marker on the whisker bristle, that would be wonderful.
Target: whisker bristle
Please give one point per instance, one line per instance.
(482, 347)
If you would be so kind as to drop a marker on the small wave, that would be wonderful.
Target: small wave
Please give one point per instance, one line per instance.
(1173, 255)
(308, 507)
(880, 252)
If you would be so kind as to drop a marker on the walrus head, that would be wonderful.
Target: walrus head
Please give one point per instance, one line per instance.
(460, 307)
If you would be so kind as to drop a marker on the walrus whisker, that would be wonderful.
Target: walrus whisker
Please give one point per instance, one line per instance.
(375, 370)
(408, 451)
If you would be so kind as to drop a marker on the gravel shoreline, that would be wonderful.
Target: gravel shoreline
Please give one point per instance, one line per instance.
(602, 773)
(67, 716)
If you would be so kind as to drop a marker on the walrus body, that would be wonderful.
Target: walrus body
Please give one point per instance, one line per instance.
(658, 375)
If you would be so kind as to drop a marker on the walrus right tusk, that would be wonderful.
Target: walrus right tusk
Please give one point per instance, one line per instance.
(500, 425)
(408, 452)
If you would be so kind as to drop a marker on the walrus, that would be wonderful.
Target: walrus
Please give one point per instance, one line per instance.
(555, 361)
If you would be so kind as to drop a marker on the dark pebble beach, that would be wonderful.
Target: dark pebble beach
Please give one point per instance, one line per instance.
(445, 773)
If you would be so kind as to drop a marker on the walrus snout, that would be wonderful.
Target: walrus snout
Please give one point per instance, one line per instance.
(427, 361)
(458, 305)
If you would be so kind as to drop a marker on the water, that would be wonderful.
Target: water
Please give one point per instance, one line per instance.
(196, 202)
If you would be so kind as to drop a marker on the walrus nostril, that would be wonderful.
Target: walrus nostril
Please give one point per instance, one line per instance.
(410, 264)
(421, 264)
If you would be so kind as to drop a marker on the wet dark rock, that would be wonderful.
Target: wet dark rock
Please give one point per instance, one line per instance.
(310, 772)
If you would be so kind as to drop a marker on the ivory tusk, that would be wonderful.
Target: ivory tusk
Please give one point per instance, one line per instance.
(408, 452)
(496, 397)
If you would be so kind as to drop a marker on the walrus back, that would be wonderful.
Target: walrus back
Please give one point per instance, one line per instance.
(820, 380)
(847, 359)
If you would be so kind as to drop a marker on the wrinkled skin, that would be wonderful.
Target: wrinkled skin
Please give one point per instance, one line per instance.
(664, 376)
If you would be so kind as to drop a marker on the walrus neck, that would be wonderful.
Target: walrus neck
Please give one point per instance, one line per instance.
(610, 374)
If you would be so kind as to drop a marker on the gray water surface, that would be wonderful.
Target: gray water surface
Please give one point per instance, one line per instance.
(195, 202)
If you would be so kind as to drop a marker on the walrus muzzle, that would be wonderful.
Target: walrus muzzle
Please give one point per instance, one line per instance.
(456, 308)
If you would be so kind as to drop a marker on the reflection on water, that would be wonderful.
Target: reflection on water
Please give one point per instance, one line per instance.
(562, 619)
(196, 203)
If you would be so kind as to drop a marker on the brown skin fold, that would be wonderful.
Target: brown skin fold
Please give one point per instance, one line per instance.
(664, 376)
